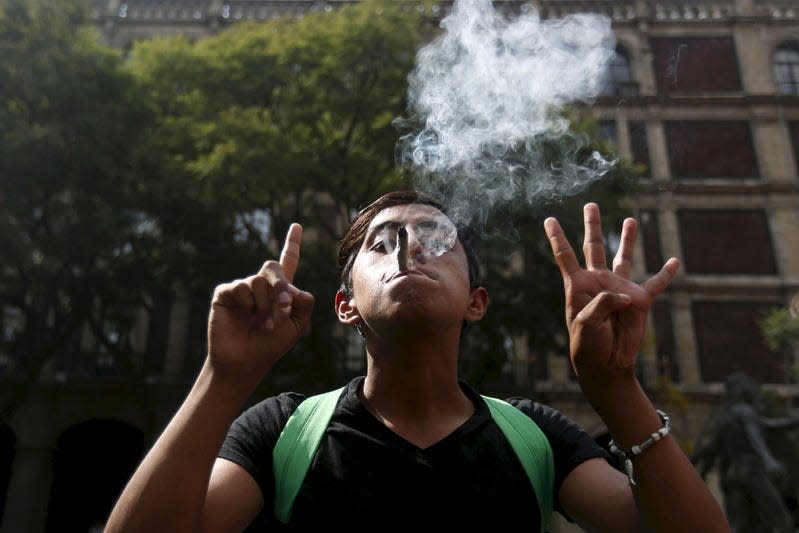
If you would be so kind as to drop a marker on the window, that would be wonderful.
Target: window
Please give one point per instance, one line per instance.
(794, 129)
(111, 328)
(650, 233)
(639, 146)
(726, 241)
(110, 338)
(620, 79)
(729, 339)
(786, 68)
(665, 345)
(710, 149)
(695, 64)
(607, 131)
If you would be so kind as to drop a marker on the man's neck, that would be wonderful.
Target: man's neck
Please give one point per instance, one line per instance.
(413, 366)
(412, 387)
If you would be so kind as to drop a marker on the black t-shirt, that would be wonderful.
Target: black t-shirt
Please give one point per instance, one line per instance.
(366, 476)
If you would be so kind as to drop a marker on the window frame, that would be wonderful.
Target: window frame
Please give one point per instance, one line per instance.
(791, 68)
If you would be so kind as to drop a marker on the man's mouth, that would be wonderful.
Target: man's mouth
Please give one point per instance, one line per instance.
(408, 272)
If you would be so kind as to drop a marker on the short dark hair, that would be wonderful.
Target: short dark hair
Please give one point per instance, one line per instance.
(351, 244)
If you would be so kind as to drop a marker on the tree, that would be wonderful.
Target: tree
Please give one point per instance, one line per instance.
(266, 124)
(68, 233)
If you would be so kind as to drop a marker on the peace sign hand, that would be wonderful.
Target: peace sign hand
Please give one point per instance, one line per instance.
(256, 320)
(606, 312)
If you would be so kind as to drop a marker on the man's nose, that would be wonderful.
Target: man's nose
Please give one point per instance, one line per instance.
(416, 249)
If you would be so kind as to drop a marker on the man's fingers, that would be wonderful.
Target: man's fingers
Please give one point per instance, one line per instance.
(603, 305)
(561, 249)
(623, 261)
(234, 294)
(279, 276)
(593, 244)
(301, 309)
(279, 296)
(658, 283)
(290, 256)
(260, 293)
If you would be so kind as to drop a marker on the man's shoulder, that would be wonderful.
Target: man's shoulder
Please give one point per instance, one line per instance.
(559, 428)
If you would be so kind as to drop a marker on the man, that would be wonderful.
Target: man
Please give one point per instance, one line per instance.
(409, 445)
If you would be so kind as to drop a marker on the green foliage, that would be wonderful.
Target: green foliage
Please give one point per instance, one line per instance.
(780, 329)
(278, 108)
(290, 119)
(67, 122)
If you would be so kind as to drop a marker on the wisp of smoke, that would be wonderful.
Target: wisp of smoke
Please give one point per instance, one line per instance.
(486, 100)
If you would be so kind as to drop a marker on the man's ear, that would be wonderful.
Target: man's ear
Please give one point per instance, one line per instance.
(478, 305)
(346, 309)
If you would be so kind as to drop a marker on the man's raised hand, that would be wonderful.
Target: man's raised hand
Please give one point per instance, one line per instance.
(606, 312)
(255, 320)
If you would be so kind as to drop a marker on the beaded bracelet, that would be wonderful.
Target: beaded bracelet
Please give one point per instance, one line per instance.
(638, 449)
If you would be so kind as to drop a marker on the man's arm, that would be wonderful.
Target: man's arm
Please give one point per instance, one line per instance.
(253, 322)
(606, 316)
(613, 511)
(234, 498)
(168, 490)
(669, 496)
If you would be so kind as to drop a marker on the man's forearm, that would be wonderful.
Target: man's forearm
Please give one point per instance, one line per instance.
(167, 491)
(670, 494)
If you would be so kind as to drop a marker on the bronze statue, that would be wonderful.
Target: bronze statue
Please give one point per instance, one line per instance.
(753, 480)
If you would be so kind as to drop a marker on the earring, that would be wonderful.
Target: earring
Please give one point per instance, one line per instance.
(359, 329)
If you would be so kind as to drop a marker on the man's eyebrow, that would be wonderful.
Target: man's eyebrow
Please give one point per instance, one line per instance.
(371, 232)
(434, 223)
(425, 222)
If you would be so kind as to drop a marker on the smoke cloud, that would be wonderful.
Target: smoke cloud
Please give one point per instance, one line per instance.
(485, 108)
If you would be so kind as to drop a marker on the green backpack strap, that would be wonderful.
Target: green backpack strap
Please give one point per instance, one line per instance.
(296, 447)
(299, 440)
(533, 450)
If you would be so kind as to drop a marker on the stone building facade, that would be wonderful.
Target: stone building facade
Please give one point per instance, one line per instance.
(704, 95)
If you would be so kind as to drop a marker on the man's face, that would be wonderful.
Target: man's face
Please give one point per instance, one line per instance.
(434, 287)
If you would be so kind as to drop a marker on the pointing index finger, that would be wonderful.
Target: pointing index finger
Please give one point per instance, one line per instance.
(290, 256)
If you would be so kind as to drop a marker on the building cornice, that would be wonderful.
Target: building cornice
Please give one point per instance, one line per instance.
(648, 12)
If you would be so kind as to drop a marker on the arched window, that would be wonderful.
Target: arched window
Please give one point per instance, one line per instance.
(620, 79)
(786, 68)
